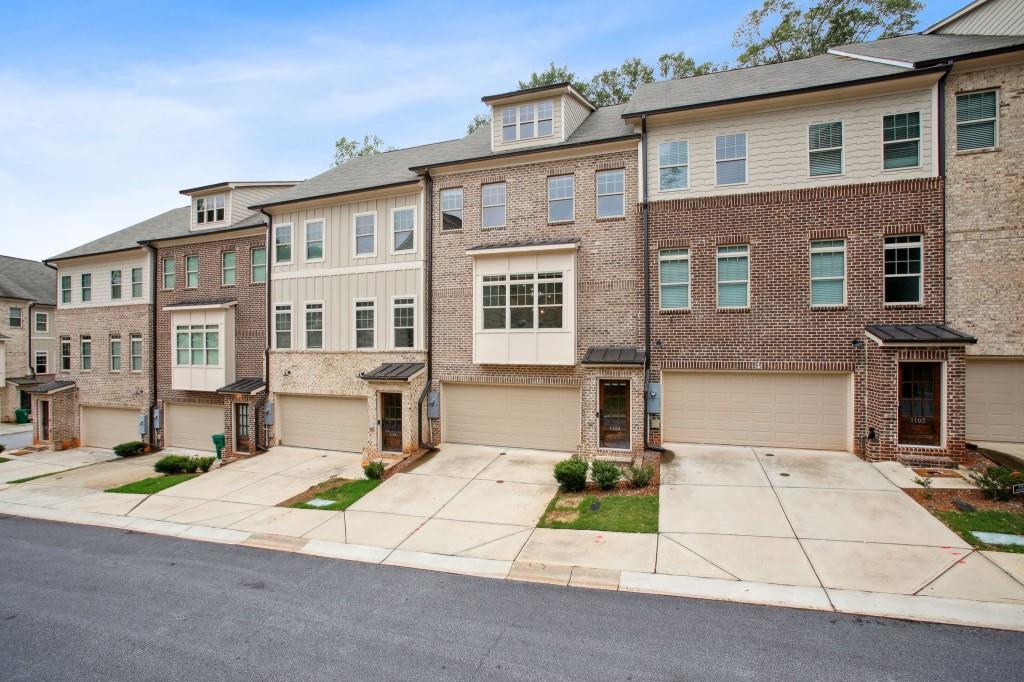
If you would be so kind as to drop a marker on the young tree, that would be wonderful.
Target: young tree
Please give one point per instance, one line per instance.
(478, 121)
(675, 65)
(615, 85)
(551, 75)
(346, 149)
(781, 30)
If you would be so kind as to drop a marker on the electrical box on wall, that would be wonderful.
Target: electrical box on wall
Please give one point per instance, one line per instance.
(654, 398)
(433, 405)
(143, 425)
(157, 414)
(268, 414)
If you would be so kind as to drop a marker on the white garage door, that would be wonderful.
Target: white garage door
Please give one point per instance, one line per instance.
(105, 427)
(192, 426)
(747, 408)
(323, 423)
(995, 400)
(537, 417)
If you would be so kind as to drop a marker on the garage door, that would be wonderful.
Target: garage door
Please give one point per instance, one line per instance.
(995, 400)
(191, 426)
(745, 408)
(105, 427)
(537, 417)
(323, 423)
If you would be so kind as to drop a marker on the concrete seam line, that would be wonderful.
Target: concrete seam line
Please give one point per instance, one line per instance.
(701, 556)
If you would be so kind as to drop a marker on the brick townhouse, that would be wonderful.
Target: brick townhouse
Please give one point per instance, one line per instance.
(27, 337)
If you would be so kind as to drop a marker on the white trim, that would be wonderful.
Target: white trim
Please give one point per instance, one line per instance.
(498, 115)
(811, 278)
(994, 119)
(686, 165)
(355, 217)
(689, 276)
(35, 361)
(718, 281)
(391, 230)
(376, 324)
(415, 324)
(598, 195)
(291, 326)
(305, 240)
(35, 323)
(547, 195)
(877, 60)
(110, 353)
(920, 276)
(918, 139)
(224, 269)
(305, 329)
(164, 273)
(841, 148)
(221, 344)
(349, 270)
(503, 204)
(142, 353)
(291, 243)
(569, 246)
(198, 270)
(745, 158)
(253, 266)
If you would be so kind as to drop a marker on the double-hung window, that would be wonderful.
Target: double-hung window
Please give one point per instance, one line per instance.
(65, 288)
(523, 301)
(611, 194)
(197, 344)
(734, 276)
(451, 209)
(828, 272)
(258, 261)
(283, 326)
(315, 240)
(228, 268)
(403, 229)
(731, 159)
(135, 348)
(65, 353)
(169, 270)
(86, 346)
(192, 272)
(674, 278)
(527, 121)
(115, 353)
(210, 209)
(365, 323)
(545, 118)
(508, 124)
(903, 269)
(42, 365)
(283, 244)
(86, 282)
(901, 140)
(825, 148)
(492, 201)
(136, 282)
(977, 126)
(560, 198)
(364, 233)
(673, 165)
(314, 325)
(42, 322)
(115, 284)
(404, 320)
(14, 317)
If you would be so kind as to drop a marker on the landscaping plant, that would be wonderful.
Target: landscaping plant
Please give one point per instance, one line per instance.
(605, 474)
(997, 482)
(180, 464)
(130, 449)
(641, 476)
(571, 474)
(926, 483)
(374, 470)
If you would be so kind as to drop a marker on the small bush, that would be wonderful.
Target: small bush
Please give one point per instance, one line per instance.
(130, 449)
(2, 447)
(374, 470)
(206, 462)
(189, 465)
(641, 476)
(571, 474)
(605, 474)
(171, 464)
(997, 482)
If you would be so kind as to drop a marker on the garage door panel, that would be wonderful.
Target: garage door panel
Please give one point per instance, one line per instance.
(793, 410)
(995, 400)
(539, 417)
(191, 426)
(105, 427)
(325, 423)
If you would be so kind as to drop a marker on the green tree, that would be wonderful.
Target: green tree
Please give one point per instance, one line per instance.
(781, 30)
(479, 121)
(346, 149)
(551, 75)
(675, 65)
(615, 85)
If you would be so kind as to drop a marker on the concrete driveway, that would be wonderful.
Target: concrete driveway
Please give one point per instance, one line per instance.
(49, 462)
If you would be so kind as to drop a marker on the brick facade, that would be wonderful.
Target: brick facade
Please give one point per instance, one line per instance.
(17, 362)
(65, 414)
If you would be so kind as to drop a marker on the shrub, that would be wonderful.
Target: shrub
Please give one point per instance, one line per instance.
(571, 474)
(189, 465)
(130, 449)
(206, 462)
(171, 464)
(997, 482)
(374, 470)
(641, 476)
(605, 474)
(2, 447)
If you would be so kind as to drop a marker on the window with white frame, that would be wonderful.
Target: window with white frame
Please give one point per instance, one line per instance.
(611, 193)
(674, 279)
(283, 326)
(903, 268)
(135, 348)
(42, 322)
(258, 261)
(731, 159)
(115, 353)
(169, 272)
(65, 353)
(404, 322)
(197, 344)
(977, 126)
(545, 118)
(65, 288)
(86, 349)
(136, 282)
(315, 240)
(314, 325)
(560, 198)
(828, 272)
(733, 276)
(825, 148)
(508, 124)
(209, 209)
(42, 365)
(451, 209)
(14, 317)
(192, 272)
(283, 244)
(527, 121)
(403, 229)
(673, 165)
(365, 323)
(228, 268)
(492, 201)
(364, 233)
(86, 286)
(901, 140)
(523, 301)
(115, 284)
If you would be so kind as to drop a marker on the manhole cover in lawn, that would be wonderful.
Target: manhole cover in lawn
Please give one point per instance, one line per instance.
(320, 502)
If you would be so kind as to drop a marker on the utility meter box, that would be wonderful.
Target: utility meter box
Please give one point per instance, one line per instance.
(268, 414)
(654, 398)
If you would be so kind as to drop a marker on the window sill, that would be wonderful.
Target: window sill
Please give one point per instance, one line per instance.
(745, 309)
(610, 219)
(452, 230)
(903, 305)
(674, 311)
(492, 228)
(828, 308)
(971, 152)
(562, 222)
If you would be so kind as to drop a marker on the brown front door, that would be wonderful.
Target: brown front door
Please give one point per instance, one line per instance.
(920, 403)
(614, 414)
(242, 427)
(44, 420)
(391, 422)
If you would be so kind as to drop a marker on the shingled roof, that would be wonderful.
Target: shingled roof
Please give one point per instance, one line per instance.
(169, 223)
(27, 280)
(921, 50)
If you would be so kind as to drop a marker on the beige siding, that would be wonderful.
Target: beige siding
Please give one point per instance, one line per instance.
(994, 18)
(536, 417)
(575, 114)
(100, 267)
(191, 426)
(45, 341)
(556, 125)
(105, 427)
(241, 198)
(995, 400)
(777, 156)
(323, 423)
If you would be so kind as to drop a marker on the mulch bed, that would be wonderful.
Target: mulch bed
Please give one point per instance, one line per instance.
(314, 491)
(621, 489)
(942, 500)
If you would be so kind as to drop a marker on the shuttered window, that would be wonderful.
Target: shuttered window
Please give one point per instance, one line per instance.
(733, 276)
(901, 140)
(828, 272)
(674, 278)
(731, 159)
(976, 123)
(825, 145)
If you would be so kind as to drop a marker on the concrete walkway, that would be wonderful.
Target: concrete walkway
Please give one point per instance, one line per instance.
(803, 529)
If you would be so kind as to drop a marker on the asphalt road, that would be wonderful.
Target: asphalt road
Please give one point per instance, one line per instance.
(84, 603)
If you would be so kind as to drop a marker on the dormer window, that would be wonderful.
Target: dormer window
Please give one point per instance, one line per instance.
(210, 209)
(527, 121)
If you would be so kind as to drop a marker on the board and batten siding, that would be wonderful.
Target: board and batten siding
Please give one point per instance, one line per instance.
(556, 124)
(994, 18)
(100, 268)
(575, 114)
(777, 148)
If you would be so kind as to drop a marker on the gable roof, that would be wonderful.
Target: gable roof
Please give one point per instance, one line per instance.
(168, 223)
(921, 50)
(29, 280)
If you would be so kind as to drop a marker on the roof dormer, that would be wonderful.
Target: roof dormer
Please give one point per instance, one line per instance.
(225, 203)
(536, 116)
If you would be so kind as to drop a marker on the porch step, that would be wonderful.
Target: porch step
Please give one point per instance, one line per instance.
(927, 461)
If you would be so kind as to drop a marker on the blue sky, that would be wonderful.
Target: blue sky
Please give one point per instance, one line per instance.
(107, 109)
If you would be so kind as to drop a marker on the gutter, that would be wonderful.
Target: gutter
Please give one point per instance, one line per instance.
(647, 272)
(151, 411)
(942, 174)
(31, 329)
(266, 346)
(428, 222)
(526, 152)
(299, 200)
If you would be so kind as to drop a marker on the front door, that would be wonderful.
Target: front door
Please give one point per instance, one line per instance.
(614, 414)
(920, 403)
(26, 400)
(242, 427)
(391, 422)
(44, 420)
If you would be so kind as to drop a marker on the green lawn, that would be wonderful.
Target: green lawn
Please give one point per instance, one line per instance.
(4, 459)
(989, 521)
(632, 514)
(32, 478)
(344, 495)
(148, 486)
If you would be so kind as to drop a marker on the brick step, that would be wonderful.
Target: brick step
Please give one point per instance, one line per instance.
(927, 461)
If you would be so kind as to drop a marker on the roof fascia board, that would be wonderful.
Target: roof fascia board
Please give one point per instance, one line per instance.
(535, 154)
(56, 261)
(231, 184)
(878, 60)
(536, 248)
(200, 237)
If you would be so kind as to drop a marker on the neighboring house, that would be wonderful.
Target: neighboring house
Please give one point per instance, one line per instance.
(28, 348)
